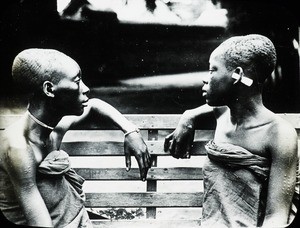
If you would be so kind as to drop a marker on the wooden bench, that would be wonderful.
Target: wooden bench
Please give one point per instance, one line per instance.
(97, 154)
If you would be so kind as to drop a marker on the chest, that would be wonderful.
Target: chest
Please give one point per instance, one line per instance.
(256, 139)
(40, 150)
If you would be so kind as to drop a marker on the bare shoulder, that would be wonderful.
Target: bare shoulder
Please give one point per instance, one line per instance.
(14, 135)
(284, 136)
(283, 128)
(14, 146)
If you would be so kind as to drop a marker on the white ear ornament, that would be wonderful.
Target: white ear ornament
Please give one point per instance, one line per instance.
(242, 78)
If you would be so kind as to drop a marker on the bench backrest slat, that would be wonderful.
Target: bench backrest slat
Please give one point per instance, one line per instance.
(144, 199)
(149, 121)
(176, 173)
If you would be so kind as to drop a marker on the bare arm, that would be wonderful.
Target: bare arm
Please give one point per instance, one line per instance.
(179, 142)
(21, 168)
(282, 177)
(133, 144)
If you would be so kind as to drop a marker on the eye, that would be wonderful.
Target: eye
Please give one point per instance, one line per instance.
(77, 81)
(212, 69)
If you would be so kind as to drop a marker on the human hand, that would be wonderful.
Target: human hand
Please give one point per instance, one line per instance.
(135, 145)
(180, 141)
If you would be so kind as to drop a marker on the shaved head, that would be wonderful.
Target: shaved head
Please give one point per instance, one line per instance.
(32, 67)
(255, 53)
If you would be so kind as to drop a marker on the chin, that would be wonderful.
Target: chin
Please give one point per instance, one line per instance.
(214, 103)
(75, 112)
(209, 102)
(79, 112)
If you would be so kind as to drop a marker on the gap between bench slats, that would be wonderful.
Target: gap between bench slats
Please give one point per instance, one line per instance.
(117, 148)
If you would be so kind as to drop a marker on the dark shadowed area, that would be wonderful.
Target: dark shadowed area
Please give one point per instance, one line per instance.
(144, 66)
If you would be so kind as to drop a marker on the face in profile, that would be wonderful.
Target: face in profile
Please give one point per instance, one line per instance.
(70, 93)
(217, 88)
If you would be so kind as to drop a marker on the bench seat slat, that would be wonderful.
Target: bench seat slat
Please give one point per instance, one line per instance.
(178, 173)
(149, 223)
(144, 199)
(116, 148)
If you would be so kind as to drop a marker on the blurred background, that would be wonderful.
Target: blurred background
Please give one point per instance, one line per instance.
(148, 56)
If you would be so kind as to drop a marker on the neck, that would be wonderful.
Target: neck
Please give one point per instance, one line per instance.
(39, 135)
(245, 107)
(42, 124)
(43, 116)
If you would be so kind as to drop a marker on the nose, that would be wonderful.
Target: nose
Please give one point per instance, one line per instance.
(84, 88)
(206, 79)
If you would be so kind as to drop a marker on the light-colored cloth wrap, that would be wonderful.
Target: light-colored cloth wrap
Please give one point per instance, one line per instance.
(235, 183)
(235, 187)
(69, 211)
(60, 188)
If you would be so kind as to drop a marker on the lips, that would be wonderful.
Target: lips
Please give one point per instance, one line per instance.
(204, 90)
(85, 103)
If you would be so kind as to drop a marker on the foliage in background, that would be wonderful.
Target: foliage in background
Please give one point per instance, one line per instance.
(120, 213)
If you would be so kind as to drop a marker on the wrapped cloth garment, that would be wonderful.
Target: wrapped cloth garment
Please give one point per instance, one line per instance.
(296, 198)
(235, 183)
(57, 163)
(69, 211)
(235, 187)
(61, 190)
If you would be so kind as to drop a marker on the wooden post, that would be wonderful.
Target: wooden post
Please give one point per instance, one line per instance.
(152, 184)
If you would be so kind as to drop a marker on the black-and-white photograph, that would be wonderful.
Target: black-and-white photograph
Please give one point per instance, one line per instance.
(149, 113)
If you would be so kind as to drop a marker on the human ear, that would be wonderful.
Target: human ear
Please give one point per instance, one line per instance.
(239, 76)
(48, 88)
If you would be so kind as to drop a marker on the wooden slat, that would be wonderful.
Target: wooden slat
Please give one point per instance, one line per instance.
(177, 173)
(117, 148)
(147, 223)
(293, 119)
(151, 185)
(155, 121)
(147, 121)
(6, 120)
(93, 148)
(118, 135)
(144, 199)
